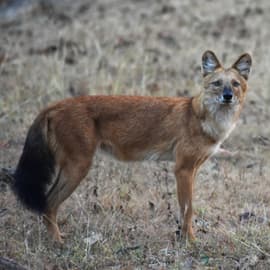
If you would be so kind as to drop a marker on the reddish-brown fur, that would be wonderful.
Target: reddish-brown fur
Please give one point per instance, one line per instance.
(184, 130)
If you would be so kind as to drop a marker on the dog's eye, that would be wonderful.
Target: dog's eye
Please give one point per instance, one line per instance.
(235, 83)
(217, 83)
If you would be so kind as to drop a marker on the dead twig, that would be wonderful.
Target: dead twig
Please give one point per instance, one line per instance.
(6, 176)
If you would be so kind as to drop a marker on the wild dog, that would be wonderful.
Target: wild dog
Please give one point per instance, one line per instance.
(64, 137)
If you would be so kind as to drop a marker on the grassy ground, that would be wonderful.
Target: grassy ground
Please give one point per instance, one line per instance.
(124, 215)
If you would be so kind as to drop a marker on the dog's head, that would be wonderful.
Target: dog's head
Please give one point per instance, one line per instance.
(225, 87)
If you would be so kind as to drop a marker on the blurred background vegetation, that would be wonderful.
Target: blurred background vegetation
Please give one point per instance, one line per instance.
(124, 215)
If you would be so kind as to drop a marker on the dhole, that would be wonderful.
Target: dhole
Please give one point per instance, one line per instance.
(62, 141)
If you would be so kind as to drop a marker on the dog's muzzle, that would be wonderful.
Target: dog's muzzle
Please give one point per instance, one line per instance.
(227, 95)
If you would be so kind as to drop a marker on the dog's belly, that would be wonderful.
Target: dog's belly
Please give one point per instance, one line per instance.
(159, 156)
(137, 155)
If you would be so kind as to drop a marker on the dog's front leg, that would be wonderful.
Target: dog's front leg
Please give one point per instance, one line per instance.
(185, 180)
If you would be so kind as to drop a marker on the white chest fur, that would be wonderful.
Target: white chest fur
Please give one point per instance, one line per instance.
(219, 124)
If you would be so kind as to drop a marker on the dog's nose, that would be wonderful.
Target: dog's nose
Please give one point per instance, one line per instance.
(227, 94)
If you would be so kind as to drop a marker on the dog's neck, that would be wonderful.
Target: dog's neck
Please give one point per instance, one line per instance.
(217, 120)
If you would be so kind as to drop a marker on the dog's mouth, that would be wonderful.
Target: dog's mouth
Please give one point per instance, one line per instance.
(227, 102)
(223, 101)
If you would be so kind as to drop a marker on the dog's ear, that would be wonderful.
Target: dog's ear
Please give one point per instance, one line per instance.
(209, 63)
(243, 65)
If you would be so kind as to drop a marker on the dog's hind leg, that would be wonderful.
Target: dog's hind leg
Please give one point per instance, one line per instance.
(74, 160)
(69, 178)
(50, 222)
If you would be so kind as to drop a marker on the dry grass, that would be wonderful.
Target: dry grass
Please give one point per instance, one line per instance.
(124, 215)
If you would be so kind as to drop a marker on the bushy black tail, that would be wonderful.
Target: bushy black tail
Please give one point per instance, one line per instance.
(35, 169)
